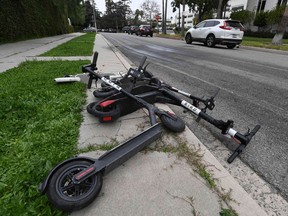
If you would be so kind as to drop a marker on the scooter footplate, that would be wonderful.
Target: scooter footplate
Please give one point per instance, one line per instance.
(123, 152)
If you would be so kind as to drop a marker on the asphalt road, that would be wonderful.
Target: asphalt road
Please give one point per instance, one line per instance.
(253, 90)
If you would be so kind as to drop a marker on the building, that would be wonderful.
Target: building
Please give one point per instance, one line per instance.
(254, 5)
(251, 5)
(188, 19)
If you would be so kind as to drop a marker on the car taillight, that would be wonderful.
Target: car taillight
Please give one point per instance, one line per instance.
(225, 27)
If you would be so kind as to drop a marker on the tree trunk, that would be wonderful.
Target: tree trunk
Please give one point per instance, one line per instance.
(182, 27)
(163, 12)
(165, 18)
(179, 17)
(219, 10)
(278, 37)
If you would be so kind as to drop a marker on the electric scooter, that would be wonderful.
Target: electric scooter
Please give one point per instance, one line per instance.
(75, 183)
(109, 109)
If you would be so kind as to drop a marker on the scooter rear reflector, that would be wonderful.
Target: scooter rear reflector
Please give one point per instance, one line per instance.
(107, 118)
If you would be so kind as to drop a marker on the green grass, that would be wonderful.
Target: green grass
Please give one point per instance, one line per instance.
(247, 41)
(264, 43)
(228, 212)
(40, 123)
(79, 46)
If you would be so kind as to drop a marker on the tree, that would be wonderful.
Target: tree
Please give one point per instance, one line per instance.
(261, 19)
(73, 9)
(219, 9)
(136, 16)
(176, 5)
(115, 16)
(244, 16)
(278, 37)
(164, 17)
(150, 9)
(183, 9)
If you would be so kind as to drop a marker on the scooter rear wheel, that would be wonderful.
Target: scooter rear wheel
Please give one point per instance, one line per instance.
(67, 196)
(110, 112)
(104, 92)
(173, 123)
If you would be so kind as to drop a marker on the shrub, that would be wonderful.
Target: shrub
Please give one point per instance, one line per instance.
(244, 16)
(261, 19)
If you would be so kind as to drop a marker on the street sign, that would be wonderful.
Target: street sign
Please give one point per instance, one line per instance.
(157, 17)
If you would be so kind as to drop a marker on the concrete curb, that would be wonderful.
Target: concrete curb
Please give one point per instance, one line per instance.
(241, 202)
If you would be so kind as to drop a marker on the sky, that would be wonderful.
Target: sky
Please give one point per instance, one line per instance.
(135, 4)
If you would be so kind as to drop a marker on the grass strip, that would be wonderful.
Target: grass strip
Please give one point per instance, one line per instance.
(264, 43)
(39, 127)
(247, 41)
(79, 46)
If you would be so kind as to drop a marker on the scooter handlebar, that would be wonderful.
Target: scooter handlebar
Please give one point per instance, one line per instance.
(243, 145)
(253, 132)
(90, 69)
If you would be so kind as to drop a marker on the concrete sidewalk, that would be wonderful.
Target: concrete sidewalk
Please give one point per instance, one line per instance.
(157, 181)
(12, 54)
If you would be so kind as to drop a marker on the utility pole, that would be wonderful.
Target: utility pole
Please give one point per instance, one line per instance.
(94, 14)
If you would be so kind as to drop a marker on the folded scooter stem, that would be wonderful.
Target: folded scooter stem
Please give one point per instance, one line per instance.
(225, 127)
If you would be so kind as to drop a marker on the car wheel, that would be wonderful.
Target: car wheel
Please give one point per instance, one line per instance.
(188, 38)
(146, 35)
(151, 35)
(210, 40)
(231, 46)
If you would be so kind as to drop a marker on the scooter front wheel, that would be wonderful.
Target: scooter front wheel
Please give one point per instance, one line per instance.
(67, 196)
(173, 123)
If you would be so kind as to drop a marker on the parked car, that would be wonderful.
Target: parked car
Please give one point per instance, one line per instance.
(125, 29)
(216, 31)
(145, 30)
(89, 29)
(111, 30)
(133, 30)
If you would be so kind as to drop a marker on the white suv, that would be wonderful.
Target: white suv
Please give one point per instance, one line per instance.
(216, 31)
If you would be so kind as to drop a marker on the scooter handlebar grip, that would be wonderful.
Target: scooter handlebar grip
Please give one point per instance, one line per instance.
(233, 156)
(142, 61)
(255, 129)
(253, 132)
(95, 57)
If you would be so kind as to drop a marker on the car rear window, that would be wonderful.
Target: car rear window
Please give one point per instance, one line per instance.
(234, 24)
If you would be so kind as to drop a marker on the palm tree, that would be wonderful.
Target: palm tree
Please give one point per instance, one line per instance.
(219, 9)
(278, 37)
(182, 27)
(165, 18)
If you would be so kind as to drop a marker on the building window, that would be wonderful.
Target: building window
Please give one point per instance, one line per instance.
(261, 5)
(279, 2)
(238, 8)
(282, 2)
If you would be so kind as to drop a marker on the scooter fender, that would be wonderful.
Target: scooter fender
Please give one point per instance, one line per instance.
(43, 186)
